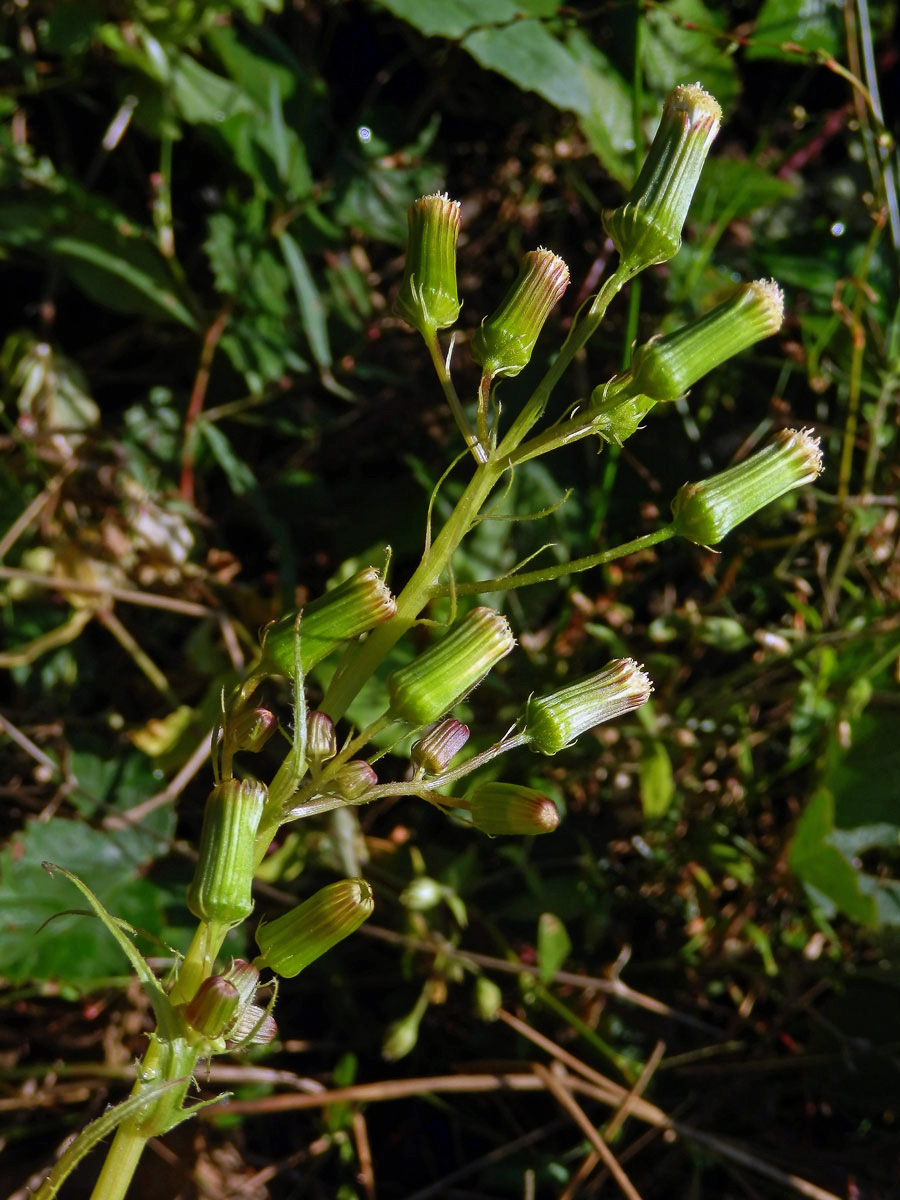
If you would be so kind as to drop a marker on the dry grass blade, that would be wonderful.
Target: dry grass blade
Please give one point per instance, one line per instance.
(618, 1120)
(565, 1098)
(608, 1092)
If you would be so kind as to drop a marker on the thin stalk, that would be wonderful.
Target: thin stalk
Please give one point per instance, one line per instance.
(578, 337)
(525, 578)
(446, 380)
(415, 595)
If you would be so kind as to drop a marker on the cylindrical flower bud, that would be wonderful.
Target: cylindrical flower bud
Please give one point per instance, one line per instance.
(504, 343)
(665, 367)
(427, 297)
(254, 1027)
(553, 722)
(646, 229)
(430, 685)
(353, 779)
(251, 729)
(221, 888)
(353, 607)
(292, 942)
(440, 745)
(245, 978)
(506, 808)
(321, 742)
(704, 512)
(214, 1007)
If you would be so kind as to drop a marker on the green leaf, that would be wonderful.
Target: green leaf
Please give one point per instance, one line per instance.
(738, 187)
(116, 785)
(71, 949)
(817, 26)
(312, 311)
(821, 867)
(657, 783)
(553, 945)
(677, 48)
(97, 1130)
(566, 70)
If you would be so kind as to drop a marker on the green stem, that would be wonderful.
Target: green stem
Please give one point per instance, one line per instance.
(579, 335)
(414, 596)
(459, 416)
(420, 588)
(524, 578)
(121, 1161)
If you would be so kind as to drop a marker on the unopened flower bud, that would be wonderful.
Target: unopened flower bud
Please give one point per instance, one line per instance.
(618, 423)
(553, 722)
(254, 1027)
(440, 745)
(348, 610)
(353, 779)
(430, 685)
(401, 1036)
(214, 1007)
(646, 229)
(292, 942)
(427, 297)
(251, 729)
(221, 888)
(245, 977)
(665, 367)
(506, 808)
(422, 894)
(704, 512)
(505, 342)
(488, 998)
(321, 742)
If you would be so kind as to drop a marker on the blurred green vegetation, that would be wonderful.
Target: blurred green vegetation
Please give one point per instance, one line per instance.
(209, 411)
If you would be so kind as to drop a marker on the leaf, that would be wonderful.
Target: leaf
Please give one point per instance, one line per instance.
(739, 186)
(312, 311)
(567, 71)
(70, 949)
(676, 48)
(265, 148)
(112, 260)
(657, 783)
(553, 945)
(814, 26)
(116, 785)
(97, 1130)
(821, 867)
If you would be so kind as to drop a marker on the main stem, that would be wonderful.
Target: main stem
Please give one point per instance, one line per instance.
(363, 663)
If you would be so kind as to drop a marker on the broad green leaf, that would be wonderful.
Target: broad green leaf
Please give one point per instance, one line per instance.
(565, 69)
(115, 785)
(677, 48)
(271, 154)
(811, 24)
(553, 945)
(657, 783)
(738, 187)
(71, 949)
(822, 867)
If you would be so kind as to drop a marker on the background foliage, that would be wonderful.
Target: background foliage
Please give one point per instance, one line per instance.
(209, 412)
